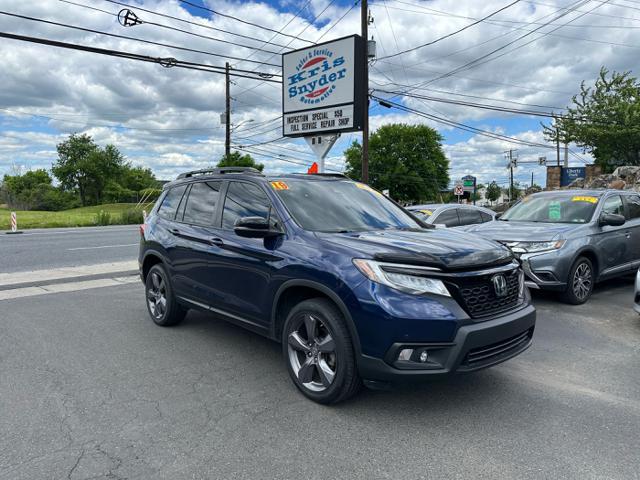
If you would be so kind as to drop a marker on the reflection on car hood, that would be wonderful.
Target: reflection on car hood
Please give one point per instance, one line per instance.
(446, 249)
(523, 231)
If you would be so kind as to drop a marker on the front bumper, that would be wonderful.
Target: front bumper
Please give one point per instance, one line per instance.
(475, 346)
(546, 270)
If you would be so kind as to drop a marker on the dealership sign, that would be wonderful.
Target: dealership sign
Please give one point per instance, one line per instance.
(323, 88)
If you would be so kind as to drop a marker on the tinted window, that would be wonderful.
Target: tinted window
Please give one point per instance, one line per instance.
(244, 200)
(201, 203)
(340, 205)
(469, 216)
(633, 204)
(486, 217)
(170, 203)
(613, 205)
(448, 218)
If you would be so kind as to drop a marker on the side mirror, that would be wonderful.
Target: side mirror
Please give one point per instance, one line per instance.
(254, 227)
(611, 219)
(497, 216)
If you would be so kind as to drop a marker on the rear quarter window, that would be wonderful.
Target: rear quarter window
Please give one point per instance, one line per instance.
(171, 202)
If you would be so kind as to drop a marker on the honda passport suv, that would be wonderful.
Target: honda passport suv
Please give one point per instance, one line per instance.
(355, 288)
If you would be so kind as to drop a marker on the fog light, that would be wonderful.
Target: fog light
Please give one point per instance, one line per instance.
(405, 354)
(424, 356)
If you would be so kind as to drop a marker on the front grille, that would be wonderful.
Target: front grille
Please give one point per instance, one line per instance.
(490, 353)
(477, 295)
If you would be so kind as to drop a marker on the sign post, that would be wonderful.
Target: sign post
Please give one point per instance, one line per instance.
(322, 92)
(469, 185)
(459, 191)
(321, 144)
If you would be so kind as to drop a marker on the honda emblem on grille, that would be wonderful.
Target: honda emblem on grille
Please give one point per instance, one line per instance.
(500, 285)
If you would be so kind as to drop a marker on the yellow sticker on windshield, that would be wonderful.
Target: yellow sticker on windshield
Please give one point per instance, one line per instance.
(279, 185)
(584, 199)
(426, 212)
(364, 186)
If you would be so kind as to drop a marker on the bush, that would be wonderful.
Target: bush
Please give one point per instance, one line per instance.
(131, 217)
(102, 218)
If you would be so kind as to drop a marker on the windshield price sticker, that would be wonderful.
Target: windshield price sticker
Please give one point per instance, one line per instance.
(554, 211)
(585, 199)
(334, 118)
(427, 212)
(364, 186)
(279, 186)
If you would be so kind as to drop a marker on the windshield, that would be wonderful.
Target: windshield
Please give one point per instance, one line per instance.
(561, 208)
(340, 206)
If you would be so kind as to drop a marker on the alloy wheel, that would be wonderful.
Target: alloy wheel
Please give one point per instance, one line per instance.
(582, 281)
(312, 353)
(157, 296)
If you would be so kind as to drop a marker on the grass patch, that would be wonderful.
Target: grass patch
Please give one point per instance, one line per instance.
(76, 217)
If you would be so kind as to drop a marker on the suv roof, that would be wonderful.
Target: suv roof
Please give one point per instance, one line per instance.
(248, 173)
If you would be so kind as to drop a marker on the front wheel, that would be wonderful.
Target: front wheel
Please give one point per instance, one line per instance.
(580, 282)
(319, 353)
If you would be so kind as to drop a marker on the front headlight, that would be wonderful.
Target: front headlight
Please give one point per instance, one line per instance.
(405, 282)
(533, 247)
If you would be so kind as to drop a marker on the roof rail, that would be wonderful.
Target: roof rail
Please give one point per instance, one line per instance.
(220, 170)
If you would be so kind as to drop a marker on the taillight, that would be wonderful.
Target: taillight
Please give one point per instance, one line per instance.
(142, 228)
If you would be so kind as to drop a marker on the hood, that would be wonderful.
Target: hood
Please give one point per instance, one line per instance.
(523, 231)
(442, 248)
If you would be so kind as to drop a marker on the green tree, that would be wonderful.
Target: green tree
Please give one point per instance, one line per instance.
(236, 159)
(604, 120)
(407, 159)
(33, 190)
(83, 166)
(493, 192)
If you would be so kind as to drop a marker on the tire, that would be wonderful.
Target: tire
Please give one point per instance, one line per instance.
(580, 282)
(161, 303)
(319, 353)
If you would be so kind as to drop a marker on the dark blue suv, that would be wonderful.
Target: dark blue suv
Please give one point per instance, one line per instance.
(355, 288)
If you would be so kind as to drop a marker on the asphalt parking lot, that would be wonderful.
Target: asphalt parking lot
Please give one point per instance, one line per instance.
(92, 389)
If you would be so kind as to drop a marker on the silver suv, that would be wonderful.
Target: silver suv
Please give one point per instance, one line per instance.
(569, 240)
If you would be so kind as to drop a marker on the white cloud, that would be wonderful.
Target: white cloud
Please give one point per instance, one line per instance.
(173, 114)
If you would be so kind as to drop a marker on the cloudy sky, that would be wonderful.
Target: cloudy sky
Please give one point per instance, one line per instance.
(532, 55)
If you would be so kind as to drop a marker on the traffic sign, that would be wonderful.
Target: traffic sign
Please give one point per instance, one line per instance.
(459, 190)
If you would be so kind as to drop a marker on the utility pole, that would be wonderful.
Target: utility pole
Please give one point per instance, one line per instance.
(566, 155)
(227, 114)
(364, 26)
(532, 179)
(511, 164)
(557, 144)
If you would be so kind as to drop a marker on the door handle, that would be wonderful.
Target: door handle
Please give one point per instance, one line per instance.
(175, 231)
(216, 241)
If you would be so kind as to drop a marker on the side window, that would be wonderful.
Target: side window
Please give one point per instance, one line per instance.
(170, 203)
(633, 205)
(244, 200)
(201, 203)
(613, 204)
(486, 217)
(469, 216)
(448, 217)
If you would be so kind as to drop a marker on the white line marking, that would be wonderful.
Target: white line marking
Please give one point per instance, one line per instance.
(66, 272)
(67, 287)
(102, 246)
(82, 230)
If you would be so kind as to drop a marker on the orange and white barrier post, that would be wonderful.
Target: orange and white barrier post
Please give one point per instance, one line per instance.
(14, 223)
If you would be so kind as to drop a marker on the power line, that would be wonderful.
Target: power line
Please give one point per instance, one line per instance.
(355, 4)
(169, 62)
(115, 35)
(242, 21)
(461, 126)
(215, 29)
(451, 34)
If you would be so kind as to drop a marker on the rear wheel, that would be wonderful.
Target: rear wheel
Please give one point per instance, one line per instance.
(580, 282)
(319, 352)
(161, 303)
